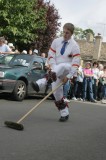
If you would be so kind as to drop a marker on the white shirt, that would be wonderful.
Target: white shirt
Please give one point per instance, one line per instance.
(5, 48)
(104, 77)
(101, 73)
(72, 50)
(95, 73)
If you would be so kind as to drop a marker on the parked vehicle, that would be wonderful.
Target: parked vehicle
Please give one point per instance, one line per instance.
(2, 55)
(17, 71)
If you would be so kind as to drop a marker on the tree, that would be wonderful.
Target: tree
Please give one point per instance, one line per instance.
(19, 19)
(78, 33)
(46, 36)
(28, 21)
(82, 34)
(86, 31)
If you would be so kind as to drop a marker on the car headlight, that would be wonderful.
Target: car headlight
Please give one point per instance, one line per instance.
(2, 74)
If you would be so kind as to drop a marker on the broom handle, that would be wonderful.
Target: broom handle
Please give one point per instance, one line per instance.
(20, 120)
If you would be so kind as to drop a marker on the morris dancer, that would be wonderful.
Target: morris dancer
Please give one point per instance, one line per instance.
(64, 60)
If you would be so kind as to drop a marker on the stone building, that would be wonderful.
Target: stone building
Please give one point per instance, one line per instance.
(93, 49)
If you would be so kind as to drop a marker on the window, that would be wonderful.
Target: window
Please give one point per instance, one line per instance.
(38, 63)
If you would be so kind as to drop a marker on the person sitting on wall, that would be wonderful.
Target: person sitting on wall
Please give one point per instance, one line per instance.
(4, 48)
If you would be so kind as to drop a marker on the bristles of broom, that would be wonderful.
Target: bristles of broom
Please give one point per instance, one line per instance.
(14, 125)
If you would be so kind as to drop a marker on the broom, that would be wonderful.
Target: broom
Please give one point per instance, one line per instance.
(17, 125)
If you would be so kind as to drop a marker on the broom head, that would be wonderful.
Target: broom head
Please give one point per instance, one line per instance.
(14, 125)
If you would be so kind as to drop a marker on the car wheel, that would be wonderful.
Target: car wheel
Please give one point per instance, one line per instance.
(20, 90)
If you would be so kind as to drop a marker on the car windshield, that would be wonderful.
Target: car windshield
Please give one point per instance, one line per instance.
(16, 60)
(6, 59)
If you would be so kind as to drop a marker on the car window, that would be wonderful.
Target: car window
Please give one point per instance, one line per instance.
(38, 61)
(37, 65)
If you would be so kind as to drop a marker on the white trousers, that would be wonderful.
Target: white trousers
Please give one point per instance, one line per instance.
(61, 71)
(42, 83)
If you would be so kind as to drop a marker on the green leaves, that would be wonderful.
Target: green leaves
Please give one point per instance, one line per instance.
(17, 20)
(82, 34)
(26, 21)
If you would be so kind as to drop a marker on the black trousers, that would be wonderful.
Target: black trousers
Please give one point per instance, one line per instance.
(99, 91)
(95, 88)
(80, 90)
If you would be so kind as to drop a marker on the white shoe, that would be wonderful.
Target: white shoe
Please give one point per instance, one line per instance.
(80, 99)
(103, 101)
(64, 112)
(66, 100)
(74, 98)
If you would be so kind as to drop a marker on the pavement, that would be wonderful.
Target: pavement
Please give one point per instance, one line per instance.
(83, 137)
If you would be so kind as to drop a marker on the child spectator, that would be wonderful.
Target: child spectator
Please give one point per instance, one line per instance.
(87, 82)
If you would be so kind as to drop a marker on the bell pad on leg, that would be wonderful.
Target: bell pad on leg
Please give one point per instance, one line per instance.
(61, 104)
(51, 76)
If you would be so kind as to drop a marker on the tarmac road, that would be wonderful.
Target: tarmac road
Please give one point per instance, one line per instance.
(83, 137)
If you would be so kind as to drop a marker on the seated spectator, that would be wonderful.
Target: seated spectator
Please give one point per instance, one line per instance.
(6, 42)
(87, 82)
(95, 79)
(17, 51)
(24, 52)
(11, 46)
(35, 52)
(30, 51)
(4, 48)
(43, 55)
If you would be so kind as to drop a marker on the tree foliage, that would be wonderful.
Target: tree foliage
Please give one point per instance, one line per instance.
(46, 36)
(86, 31)
(26, 21)
(82, 34)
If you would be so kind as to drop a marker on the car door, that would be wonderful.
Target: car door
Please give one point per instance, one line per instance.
(37, 70)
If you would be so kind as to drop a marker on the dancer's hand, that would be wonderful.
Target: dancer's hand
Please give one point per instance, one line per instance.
(65, 79)
(47, 67)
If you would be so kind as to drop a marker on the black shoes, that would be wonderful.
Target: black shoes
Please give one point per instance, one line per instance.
(35, 86)
(93, 100)
(64, 119)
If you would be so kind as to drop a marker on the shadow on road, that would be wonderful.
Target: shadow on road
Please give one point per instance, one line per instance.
(9, 97)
